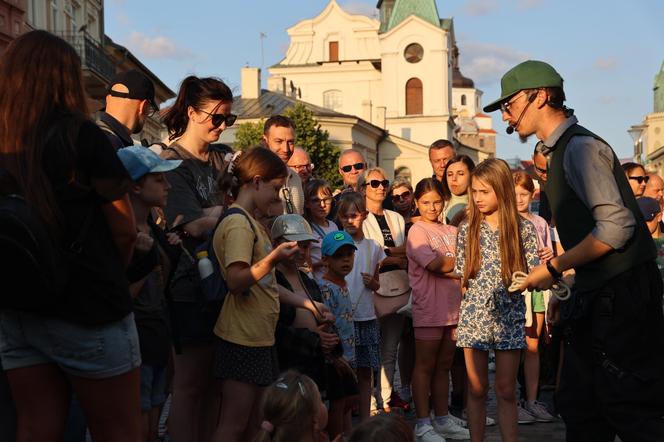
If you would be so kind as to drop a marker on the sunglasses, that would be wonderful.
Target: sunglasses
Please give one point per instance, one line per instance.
(217, 119)
(401, 197)
(356, 166)
(640, 179)
(375, 183)
(540, 170)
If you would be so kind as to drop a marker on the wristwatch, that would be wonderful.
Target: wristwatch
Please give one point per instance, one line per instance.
(554, 273)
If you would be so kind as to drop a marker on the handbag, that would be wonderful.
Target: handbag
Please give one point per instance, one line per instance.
(394, 292)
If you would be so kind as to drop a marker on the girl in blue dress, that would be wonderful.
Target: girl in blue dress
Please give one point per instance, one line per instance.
(494, 243)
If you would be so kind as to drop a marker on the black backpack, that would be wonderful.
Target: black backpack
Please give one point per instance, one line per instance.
(214, 286)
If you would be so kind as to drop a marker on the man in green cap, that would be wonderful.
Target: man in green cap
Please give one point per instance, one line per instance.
(612, 379)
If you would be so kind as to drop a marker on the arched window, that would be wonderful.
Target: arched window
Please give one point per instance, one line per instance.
(414, 102)
(463, 100)
(333, 99)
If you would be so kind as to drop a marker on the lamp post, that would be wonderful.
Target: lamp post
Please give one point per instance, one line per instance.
(636, 132)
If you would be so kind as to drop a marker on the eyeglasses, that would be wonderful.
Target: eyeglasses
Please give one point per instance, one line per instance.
(375, 183)
(401, 197)
(299, 167)
(217, 119)
(326, 201)
(540, 170)
(640, 179)
(356, 166)
(505, 107)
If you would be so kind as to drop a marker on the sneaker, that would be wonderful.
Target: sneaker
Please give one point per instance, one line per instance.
(397, 402)
(457, 420)
(426, 433)
(451, 430)
(524, 416)
(489, 422)
(539, 412)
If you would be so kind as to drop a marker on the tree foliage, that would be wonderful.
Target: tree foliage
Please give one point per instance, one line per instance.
(248, 135)
(310, 137)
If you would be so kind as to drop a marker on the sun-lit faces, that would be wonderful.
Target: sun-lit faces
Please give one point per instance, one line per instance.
(484, 196)
(201, 122)
(439, 159)
(458, 178)
(321, 205)
(523, 199)
(355, 162)
(280, 140)
(430, 205)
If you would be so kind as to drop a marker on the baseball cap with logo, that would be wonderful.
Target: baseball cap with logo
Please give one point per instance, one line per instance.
(139, 87)
(333, 241)
(649, 207)
(140, 161)
(531, 74)
(292, 227)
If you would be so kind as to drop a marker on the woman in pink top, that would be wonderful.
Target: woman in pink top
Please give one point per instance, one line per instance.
(436, 300)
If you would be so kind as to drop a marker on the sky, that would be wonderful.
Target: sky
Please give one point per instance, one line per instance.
(607, 51)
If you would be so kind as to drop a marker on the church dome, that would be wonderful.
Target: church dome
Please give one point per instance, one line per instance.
(458, 80)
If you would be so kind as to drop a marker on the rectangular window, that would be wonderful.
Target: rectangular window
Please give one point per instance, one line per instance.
(334, 51)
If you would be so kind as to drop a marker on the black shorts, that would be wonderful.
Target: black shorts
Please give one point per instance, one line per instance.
(251, 365)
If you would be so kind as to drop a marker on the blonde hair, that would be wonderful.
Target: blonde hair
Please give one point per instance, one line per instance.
(496, 174)
(362, 179)
(289, 407)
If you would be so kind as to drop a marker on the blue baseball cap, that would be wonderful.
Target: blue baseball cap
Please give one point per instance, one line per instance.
(140, 161)
(335, 240)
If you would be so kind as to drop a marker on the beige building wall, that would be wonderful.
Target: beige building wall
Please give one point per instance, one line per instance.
(653, 139)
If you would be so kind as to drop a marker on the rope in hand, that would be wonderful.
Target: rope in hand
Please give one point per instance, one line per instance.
(559, 289)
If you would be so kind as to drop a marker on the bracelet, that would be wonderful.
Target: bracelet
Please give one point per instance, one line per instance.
(554, 273)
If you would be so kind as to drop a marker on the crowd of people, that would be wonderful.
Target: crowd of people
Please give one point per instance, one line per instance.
(270, 306)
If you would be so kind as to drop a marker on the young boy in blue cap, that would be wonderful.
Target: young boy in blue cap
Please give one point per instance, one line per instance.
(338, 254)
(153, 259)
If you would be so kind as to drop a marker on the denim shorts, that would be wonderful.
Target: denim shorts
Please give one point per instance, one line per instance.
(153, 386)
(94, 352)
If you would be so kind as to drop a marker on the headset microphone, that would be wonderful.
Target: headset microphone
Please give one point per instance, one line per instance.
(511, 128)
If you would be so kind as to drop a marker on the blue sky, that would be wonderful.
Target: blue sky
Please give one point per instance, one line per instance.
(608, 51)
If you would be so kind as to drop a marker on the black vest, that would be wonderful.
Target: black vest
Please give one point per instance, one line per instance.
(574, 219)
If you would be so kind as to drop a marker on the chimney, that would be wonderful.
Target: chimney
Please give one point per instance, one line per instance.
(251, 83)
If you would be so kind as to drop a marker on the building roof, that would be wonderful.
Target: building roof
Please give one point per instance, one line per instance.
(274, 103)
(425, 9)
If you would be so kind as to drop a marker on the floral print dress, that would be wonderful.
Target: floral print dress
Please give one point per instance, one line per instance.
(491, 317)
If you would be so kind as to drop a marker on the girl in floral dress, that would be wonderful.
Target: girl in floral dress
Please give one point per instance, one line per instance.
(494, 243)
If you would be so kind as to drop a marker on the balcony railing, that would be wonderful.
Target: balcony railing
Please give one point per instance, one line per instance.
(92, 54)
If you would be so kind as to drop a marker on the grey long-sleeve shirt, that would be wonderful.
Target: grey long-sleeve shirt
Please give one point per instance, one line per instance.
(588, 165)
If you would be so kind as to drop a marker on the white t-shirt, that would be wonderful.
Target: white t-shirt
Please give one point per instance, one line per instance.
(320, 232)
(368, 255)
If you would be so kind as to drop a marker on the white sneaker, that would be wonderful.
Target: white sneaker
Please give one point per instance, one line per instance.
(539, 412)
(489, 422)
(524, 417)
(457, 420)
(426, 433)
(451, 430)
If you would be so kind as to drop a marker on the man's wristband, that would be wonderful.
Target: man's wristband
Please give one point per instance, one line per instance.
(554, 273)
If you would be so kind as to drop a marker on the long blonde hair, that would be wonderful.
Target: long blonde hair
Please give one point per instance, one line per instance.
(495, 173)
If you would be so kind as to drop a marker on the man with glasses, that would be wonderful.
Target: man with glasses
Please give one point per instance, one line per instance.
(612, 379)
(440, 153)
(301, 163)
(279, 137)
(130, 101)
(351, 165)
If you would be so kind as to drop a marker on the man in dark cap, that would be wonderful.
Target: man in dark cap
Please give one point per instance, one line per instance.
(612, 379)
(129, 102)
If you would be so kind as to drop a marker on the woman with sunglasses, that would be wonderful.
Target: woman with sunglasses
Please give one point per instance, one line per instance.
(637, 178)
(201, 112)
(388, 228)
(403, 200)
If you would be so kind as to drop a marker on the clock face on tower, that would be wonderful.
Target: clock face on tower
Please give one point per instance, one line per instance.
(413, 53)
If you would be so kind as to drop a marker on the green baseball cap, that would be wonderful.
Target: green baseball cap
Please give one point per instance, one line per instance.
(531, 74)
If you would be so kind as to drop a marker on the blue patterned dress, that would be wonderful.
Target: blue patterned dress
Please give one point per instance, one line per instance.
(491, 317)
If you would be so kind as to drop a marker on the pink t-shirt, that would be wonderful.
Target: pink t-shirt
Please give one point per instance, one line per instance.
(436, 300)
